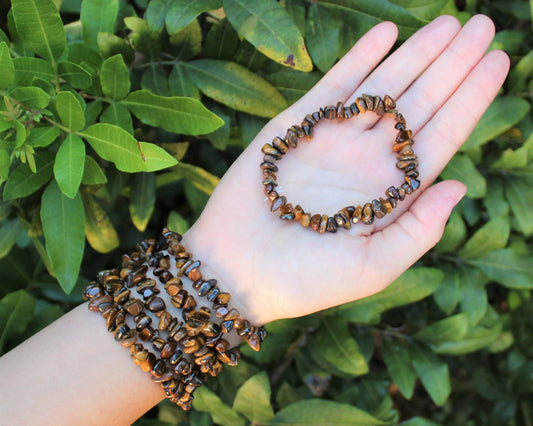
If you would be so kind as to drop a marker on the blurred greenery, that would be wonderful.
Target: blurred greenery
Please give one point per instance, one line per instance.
(127, 112)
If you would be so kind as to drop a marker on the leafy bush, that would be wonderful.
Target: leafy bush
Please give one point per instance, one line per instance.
(118, 113)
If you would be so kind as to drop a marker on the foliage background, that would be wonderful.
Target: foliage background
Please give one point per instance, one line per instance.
(188, 84)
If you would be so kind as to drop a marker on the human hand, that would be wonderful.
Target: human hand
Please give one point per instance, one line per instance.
(442, 81)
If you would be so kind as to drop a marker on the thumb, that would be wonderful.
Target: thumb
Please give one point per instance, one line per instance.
(417, 230)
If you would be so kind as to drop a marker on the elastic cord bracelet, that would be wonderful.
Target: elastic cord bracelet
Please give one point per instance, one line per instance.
(345, 217)
(178, 353)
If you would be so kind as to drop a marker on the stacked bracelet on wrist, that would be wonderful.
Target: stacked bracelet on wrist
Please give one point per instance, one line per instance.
(179, 353)
(366, 212)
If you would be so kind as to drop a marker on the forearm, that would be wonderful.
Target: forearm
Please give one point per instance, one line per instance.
(74, 373)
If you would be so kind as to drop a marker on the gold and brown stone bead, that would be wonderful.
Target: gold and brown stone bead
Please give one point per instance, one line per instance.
(315, 222)
(339, 110)
(278, 202)
(158, 343)
(323, 223)
(412, 182)
(272, 196)
(397, 147)
(308, 129)
(357, 214)
(310, 119)
(330, 112)
(280, 145)
(96, 302)
(367, 215)
(267, 158)
(380, 107)
(401, 193)
(155, 304)
(305, 220)
(317, 116)
(389, 103)
(377, 208)
(387, 205)
(173, 286)
(369, 101)
(298, 130)
(347, 113)
(332, 225)
(298, 212)
(269, 188)
(354, 109)
(270, 150)
(270, 167)
(291, 139)
(164, 320)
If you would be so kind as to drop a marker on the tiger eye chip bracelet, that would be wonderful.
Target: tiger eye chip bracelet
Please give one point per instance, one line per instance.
(179, 354)
(367, 212)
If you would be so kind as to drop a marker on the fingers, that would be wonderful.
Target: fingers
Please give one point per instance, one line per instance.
(348, 73)
(431, 90)
(415, 231)
(454, 122)
(406, 64)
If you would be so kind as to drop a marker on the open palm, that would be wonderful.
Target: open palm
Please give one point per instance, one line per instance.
(442, 81)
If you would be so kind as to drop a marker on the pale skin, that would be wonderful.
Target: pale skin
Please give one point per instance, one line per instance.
(442, 79)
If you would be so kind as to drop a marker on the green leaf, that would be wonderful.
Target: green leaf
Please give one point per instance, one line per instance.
(268, 26)
(505, 266)
(80, 53)
(180, 84)
(63, 222)
(16, 312)
(510, 41)
(7, 68)
(69, 165)
(450, 329)
(253, 399)
(187, 43)
(491, 236)
(293, 84)
(322, 37)
(323, 412)
(155, 157)
(22, 181)
(142, 199)
(494, 201)
(110, 45)
(477, 338)
(251, 125)
(520, 197)
(9, 232)
(454, 234)
(154, 79)
(502, 114)
(432, 372)
(115, 144)
(206, 400)
(472, 294)
(221, 41)
(426, 10)
(75, 75)
(26, 69)
(233, 85)
(5, 162)
(97, 16)
(92, 173)
(182, 12)
(462, 168)
(398, 361)
(413, 285)
(358, 16)
(99, 229)
(118, 115)
(142, 39)
(31, 97)
(177, 223)
(511, 159)
(521, 73)
(419, 421)
(200, 178)
(178, 115)
(70, 111)
(155, 14)
(41, 137)
(115, 78)
(336, 345)
(40, 27)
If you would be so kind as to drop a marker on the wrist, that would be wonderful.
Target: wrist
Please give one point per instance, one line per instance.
(220, 261)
